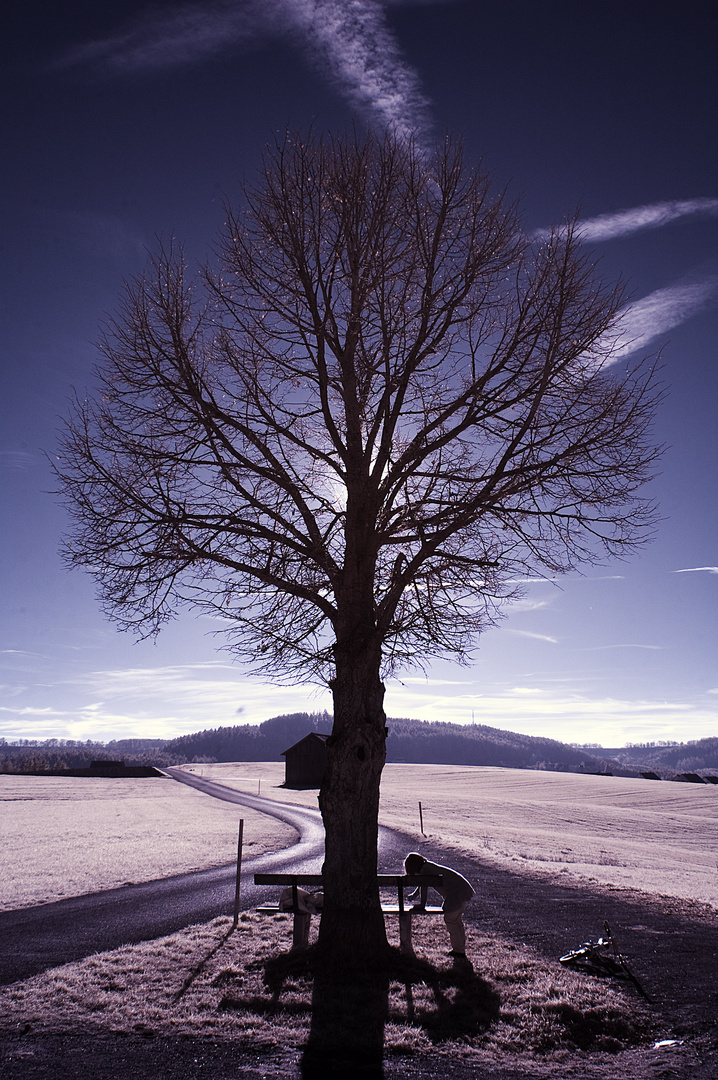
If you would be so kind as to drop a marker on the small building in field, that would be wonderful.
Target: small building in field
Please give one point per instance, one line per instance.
(305, 762)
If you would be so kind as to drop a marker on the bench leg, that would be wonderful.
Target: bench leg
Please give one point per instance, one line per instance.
(300, 938)
(405, 944)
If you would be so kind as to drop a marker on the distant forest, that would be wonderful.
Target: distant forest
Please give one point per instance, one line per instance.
(697, 757)
(413, 741)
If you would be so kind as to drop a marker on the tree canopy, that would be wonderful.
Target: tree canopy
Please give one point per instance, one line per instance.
(382, 367)
(352, 437)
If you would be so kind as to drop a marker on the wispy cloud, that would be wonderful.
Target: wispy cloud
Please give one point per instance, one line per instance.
(520, 607)
(16, 460)
(639, 324)
(24, 654)
(572, 717)
(624, 645)
(162, 702)
(188, 34)
(626, 222)
(531, 581)
(697, 570)
(654, 216)
(532, 635)
(354, 45)
(349, 43)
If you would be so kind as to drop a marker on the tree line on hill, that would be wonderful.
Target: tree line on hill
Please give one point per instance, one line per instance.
(58, 755)
(413, 741)
(697, 756)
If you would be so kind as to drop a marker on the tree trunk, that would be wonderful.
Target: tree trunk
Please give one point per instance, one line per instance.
(352, 928)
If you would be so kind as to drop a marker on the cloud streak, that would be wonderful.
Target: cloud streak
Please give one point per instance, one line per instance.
(698, 570)
(187, 35)
(532, 635)
(557, 715)
(639, 218)
(161, 702)
(655, 216)
(349, 43)
(642, 322)
(639, 324)
(354, 45)
(624, 645)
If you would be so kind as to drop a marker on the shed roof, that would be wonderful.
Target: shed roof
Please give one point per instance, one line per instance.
(311, 735)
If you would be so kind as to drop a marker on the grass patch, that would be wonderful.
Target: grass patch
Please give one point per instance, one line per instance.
(212, 982)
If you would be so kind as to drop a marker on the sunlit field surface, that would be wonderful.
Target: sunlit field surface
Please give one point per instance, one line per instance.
(657, 836)
(68, 836)
(65, 837)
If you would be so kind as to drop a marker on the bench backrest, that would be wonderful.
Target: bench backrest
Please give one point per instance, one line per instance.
(385, 881)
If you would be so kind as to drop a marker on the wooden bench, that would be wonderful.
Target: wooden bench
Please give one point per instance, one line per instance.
(302, 919)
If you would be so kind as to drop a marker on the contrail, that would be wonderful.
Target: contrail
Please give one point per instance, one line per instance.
(349, 41)
(642, 322)
(624, 223)
(352, 42)
(627, 222)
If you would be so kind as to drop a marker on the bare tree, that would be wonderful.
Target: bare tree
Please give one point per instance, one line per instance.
(350, 439)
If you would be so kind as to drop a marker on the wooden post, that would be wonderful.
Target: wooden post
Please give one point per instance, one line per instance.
(421, 820)
(300, 931)
(239, 872)
(405, 944)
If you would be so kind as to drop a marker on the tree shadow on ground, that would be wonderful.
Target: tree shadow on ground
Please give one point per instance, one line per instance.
(460, 1002)
(351, 1005)
(201, 965)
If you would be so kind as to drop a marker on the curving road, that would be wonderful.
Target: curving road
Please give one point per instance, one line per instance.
(34, 939)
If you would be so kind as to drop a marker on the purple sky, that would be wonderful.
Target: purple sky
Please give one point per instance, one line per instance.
(125, 122)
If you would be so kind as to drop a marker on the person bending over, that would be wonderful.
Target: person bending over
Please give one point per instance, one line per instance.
(455, 890)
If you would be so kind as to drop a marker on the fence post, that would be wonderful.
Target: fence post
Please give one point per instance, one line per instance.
(239, 872)
(421, 820)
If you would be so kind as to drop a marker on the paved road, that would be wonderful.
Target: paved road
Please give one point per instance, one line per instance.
(34, 939)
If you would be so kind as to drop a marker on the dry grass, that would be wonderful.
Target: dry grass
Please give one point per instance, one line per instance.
(209, 981)
(660, 838)
(65, 837)
(68, 836)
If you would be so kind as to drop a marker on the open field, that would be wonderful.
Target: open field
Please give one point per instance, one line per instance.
(64, 837)
(68, 836)
(658, 837)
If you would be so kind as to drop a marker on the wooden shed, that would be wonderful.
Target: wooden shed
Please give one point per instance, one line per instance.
(306, 761)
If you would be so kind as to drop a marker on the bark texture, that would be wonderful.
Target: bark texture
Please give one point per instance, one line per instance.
(352, 923)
